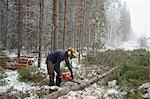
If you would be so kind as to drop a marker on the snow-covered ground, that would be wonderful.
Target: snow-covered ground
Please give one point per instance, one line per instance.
(12, 81)
(130, 45)
(14, 86)
(111, 91)
(96, 91)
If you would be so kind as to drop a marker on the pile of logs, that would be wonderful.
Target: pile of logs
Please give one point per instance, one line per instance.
(16, 62)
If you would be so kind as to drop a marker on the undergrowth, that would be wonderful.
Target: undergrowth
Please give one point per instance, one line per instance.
(32, 74)
(133, 66)
(2, 76)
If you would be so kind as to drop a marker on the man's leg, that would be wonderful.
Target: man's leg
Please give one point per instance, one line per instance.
(51, 80)
(58, 79)
(50, 69)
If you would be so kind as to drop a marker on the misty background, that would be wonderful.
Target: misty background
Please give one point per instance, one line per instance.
(140, 23)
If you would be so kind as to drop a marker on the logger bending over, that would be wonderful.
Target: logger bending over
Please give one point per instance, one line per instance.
(53, 64)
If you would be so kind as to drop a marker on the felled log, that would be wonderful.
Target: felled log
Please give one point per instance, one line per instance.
(16, 62)
(24, 60)
(64, 91)
(17, 66)
(6, 59)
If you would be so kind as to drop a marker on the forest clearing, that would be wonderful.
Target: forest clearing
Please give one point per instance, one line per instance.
(74, 49)
(124, 80)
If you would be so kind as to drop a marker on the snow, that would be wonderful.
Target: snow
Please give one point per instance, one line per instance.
(12, 82)
(96, 91)
(112, 84)
(145, 89)
(112, 91)
(43, 64)
(130, 45)
(14, 85)
(9, 53)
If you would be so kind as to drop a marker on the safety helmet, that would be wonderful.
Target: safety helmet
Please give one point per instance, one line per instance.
(72, 52)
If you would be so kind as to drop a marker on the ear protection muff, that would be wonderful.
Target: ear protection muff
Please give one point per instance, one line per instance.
(73, 50)
(69, 52)
(74, 54)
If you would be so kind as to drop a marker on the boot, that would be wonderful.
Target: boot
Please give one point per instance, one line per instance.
(58, 80)
(51, 80)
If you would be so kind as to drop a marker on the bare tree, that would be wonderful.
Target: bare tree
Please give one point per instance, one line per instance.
(55, 24)
(41, 30)
(4, 21)
(19, 3)
(65, 24)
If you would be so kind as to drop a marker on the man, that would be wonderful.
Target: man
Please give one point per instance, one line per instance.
(53, 64)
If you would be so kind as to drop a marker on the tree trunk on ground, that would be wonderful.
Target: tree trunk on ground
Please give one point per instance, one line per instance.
(59, 93)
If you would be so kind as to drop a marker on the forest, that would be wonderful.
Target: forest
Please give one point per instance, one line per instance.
(99, 31)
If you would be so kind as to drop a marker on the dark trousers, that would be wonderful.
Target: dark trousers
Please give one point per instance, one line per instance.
(51, 68)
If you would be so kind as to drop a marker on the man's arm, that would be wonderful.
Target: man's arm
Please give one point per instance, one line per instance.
(69, 67)
(57, 67)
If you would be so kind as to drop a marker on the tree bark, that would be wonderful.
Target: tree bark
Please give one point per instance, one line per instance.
(65, 24)
(41, 30)
(19, 27)
(55, 23)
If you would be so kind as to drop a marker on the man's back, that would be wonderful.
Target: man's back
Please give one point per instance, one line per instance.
(57, 56)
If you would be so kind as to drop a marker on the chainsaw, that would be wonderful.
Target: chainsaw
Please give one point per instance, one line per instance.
(67, 77)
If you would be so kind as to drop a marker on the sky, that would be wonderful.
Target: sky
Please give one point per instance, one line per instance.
(140, 16)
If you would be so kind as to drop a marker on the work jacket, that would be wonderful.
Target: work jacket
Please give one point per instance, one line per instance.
(57, 57)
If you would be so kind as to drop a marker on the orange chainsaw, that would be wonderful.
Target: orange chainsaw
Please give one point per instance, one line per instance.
(66, 77)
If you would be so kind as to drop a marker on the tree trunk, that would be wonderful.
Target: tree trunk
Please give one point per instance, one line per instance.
(19, 27)
(80, 28)
(55, 23)
(65, 24)
(7, 18)
(41, 30)
(76, 26)
(4, 22)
